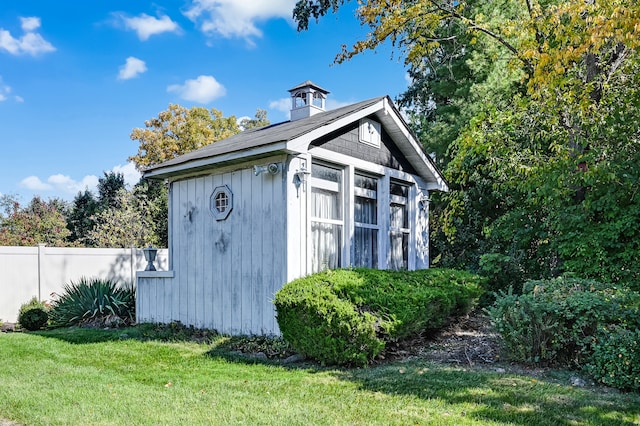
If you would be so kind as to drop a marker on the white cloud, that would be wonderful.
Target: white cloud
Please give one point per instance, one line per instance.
(131, 175)
(282, 105)
(35, 184)
(67, 186)
(203, 89)
(146, 26)
(236, 18)
(5, 92)
(333, 104)
(30, 43)
(132, 68)
(30, 23)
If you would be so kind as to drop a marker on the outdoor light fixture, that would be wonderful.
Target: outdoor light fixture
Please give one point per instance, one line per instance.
(150, 257)
(300, 178)
(424, 202)
(272, 169)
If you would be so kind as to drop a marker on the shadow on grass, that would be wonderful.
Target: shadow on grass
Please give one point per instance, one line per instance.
(80, 335)
(484, 396)
(500, 397)
(173, 332)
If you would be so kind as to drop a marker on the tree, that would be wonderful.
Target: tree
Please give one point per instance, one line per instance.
(40, 222)
(80, 220)
(155, 208)
(124, 226)
(109, 187)
(260, 120)
(179, 130)
(531, 168)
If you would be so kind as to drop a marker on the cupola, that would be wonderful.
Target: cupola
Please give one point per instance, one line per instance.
(307, 99)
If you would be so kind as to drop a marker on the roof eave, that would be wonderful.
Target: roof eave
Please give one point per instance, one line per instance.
(216, 160)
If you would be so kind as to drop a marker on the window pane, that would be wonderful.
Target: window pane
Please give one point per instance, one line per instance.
(399, 255)
(365, 247)
(327, 244)
(366, 182)
(399, 190)
(325, 204)
(326, 173)
(365, 210)
(399, 217)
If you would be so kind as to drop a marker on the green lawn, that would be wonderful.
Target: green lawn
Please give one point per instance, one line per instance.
(57, 378)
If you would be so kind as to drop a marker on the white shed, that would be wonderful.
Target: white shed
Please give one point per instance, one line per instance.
(327, 189)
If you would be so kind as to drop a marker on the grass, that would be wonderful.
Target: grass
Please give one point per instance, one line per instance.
(110, 377)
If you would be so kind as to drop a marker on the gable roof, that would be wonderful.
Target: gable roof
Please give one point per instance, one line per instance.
(294, 137)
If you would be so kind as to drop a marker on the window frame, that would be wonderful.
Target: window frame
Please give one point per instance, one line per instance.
(213, 202)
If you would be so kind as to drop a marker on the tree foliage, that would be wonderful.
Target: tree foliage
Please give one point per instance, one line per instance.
(109, 187)
(40, 222)
(533, 108)
(260, 120)
(80, 220)
(179, 130)
(126, 225)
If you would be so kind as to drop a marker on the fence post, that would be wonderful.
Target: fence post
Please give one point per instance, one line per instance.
(132, 271)
(41, 254)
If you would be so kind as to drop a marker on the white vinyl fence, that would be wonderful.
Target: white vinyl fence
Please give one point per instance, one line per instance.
(39, 271)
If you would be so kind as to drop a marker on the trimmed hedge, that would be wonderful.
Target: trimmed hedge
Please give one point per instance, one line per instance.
(346, 316)
(33, 315)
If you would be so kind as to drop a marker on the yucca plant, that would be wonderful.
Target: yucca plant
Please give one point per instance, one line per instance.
(94, 302)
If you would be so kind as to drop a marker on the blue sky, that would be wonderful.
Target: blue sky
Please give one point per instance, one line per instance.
(77, 77)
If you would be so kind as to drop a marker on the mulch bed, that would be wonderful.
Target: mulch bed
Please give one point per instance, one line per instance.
(467, 340)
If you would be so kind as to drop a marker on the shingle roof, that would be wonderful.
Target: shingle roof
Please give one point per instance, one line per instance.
(268, 135)
(295, 137)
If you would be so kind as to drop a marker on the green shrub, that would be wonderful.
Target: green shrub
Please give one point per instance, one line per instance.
(345, 317)
(94, 302)
(33, 315)
(616, 359)
(556, 321)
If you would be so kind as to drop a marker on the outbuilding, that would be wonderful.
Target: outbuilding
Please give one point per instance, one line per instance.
(327, 189)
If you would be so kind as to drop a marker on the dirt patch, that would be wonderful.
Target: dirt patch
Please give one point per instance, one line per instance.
(467, 340)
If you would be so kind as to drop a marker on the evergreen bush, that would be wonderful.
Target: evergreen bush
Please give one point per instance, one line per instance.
(557, 321)
(346, 316)
(616, 359)
(33, 315)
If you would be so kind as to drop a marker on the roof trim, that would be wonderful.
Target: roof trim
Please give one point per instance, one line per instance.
(233, 156)
(308, 83)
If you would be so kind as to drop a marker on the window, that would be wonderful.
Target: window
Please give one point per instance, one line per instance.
(318, 100)
(300, 100)
(370, 132)
(365, 216)
(398, 226)
(221, 202)
(333, 213)
(326, 217)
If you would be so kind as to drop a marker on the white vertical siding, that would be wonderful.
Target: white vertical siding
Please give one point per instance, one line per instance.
(227, 271)
(296, 221)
